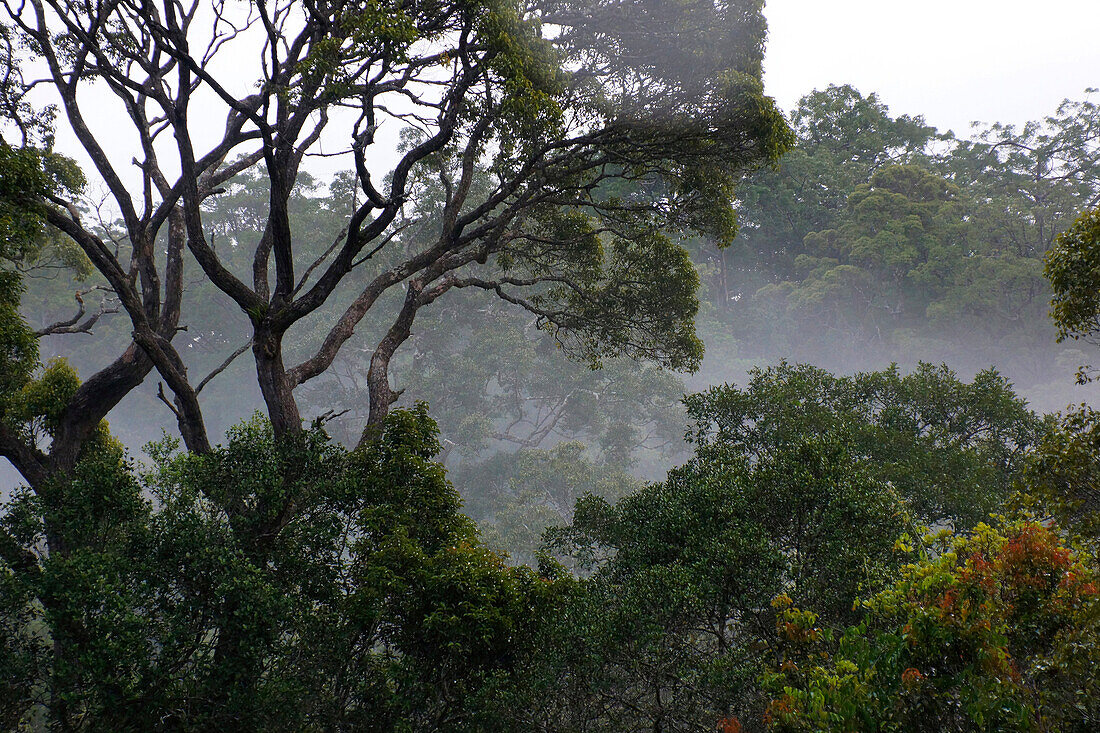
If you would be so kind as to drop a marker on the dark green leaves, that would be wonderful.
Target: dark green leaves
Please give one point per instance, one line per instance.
(949, 448)
(1073, 268)
(274, 584)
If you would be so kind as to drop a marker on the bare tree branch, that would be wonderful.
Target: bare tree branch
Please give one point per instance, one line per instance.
(74, 324)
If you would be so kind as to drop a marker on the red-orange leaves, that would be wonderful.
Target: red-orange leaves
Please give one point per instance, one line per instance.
(729, 725)
(911, 677)
(1033, 559)
(995, 630)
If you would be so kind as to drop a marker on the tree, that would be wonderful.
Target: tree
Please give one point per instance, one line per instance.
(524, 392)
(909, 261)
(1070, 267)
(831, 265)
(178, 607)
(1033, 180)
(1063, 470)
(996, 630)
(544, 151)
(950, 449)
(515, 497)
(554, 118)
(1063, 473)
(868, 271)
(801, 483)
(842, 138)
(671, 623)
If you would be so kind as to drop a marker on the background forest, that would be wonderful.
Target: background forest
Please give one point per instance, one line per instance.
(875, 241)
(611, 398)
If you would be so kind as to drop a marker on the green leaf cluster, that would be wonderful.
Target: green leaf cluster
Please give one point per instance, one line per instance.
(949, 448)
(269, 585)
(1073, 267)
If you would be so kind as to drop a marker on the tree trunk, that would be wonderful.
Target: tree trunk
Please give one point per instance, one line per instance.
(91, 403)
(277, 391)
(378, 376)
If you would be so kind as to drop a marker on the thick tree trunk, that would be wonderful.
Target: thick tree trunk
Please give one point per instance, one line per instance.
(277, 390)
(91, 403)
(381, 396)
(192, 425)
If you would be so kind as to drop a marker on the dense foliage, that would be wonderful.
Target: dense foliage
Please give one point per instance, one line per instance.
(269, 585)
(994, 630)
(289, 584)
(676, 610)
(880, 239)
(1071, 267)
(802, 484)
(949, 448)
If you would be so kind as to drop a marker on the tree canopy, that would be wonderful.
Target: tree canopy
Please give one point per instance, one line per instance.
(547, 122)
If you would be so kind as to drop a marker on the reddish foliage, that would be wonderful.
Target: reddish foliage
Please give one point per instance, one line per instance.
(729, 725)
(1033, 559)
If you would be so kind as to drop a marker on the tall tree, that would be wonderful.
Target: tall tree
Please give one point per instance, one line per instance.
(516, 123)
(555, 102)
(842, 138)
(951, 449)
(802, 483)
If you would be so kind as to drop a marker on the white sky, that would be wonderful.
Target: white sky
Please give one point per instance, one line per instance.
(954, 61)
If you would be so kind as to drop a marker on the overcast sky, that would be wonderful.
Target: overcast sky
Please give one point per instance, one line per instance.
(954, 61)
